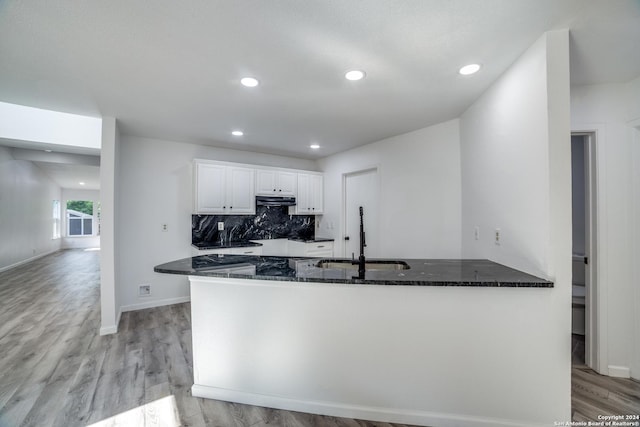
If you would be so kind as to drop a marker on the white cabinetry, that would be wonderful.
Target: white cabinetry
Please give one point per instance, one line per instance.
(248, 250)
(313, 249)
(223, 189)
(310, 194)
(271, 182)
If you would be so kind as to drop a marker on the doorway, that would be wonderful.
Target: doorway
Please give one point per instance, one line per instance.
(584, 325)
(361, 189)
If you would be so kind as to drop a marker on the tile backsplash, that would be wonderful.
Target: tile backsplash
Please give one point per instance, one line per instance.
(269, 222)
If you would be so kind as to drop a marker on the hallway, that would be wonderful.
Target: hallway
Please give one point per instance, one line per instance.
(56, 370)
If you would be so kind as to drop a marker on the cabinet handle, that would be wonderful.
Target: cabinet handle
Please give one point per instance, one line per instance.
(322, 246)
(230, 207)
(279, 190)
(249, 252)
(313, 209)
(274, 189)
(224, 207)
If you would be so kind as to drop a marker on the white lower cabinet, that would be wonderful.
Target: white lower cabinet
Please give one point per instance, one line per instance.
(249, 250)
(312, 249)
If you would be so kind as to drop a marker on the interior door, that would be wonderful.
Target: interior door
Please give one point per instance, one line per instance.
(361, 189)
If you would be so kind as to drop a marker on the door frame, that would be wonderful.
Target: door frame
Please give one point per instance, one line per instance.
(595, 299)
(635, 227)
(376, 169)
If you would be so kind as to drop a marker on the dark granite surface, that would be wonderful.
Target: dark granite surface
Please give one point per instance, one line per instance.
(269, 222)
(422, 272)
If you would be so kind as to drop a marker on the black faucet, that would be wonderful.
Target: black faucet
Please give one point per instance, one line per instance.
(361, 259)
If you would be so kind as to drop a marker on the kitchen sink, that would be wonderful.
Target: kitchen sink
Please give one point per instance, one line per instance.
(347, 264)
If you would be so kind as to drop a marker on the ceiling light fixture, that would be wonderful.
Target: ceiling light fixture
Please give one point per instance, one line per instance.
(237, 133)
(314, 146)
(47, 151)
(354, 75)
(249, 82)
(81, 183)
(469, 69)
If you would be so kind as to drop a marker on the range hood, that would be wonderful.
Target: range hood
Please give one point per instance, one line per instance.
(275, 201)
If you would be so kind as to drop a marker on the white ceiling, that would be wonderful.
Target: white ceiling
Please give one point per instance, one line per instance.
(69, 176)
(171, 70)
(65, 168)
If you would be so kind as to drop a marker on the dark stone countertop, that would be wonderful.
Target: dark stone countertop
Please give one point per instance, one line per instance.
(422, 272)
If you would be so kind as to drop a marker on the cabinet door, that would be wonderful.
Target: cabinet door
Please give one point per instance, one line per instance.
(316, 194)
(266, 182)
(303, 201)
(240, 191)
(251, 250)
(210, 188)
(286, 183)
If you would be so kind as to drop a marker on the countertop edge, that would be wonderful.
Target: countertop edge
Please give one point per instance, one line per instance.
(416, 283)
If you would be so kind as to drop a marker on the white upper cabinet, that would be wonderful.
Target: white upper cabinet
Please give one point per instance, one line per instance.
(310, 194)
(241, 194)
(271, 182)
(223, 189)
(231, 188)
(210, 188)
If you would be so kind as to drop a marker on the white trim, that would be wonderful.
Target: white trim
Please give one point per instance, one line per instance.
(155, 303)
(336, 409)
(113, 329)
(619, 371)
(19, 263)
(596, 351)
(343, 230)
(635, 227)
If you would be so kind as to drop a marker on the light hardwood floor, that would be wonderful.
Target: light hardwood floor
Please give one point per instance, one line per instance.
(55, 370)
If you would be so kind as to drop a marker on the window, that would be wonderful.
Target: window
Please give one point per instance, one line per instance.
(79, 218)
(56, 219)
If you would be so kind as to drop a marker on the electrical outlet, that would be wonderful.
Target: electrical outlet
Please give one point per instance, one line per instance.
(144, 290)
(221, 226)
(497, 237)
(165, 227)
(476, 233)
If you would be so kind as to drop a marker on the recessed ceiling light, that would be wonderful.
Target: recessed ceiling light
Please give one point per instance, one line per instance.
(469, 69)
(249, 82)
(354, 75)
(314, 146)
(47, 151)
(237, 133)
(81, 183)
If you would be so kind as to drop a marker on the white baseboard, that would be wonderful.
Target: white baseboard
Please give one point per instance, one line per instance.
(19, 263)
(155, 303)
(113, 329)
(389, 415)
(619, 371)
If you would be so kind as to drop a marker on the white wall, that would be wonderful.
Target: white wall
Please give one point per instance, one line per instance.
(516, 176)
(419, 174)
(156, 188)
(109, 188)
(26, 214)
(77, 242)
(608, 110)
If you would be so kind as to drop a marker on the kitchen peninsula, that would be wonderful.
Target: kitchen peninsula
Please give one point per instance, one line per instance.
(286, 333)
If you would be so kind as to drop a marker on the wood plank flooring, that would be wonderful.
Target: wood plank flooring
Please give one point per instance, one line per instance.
(55, 370)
